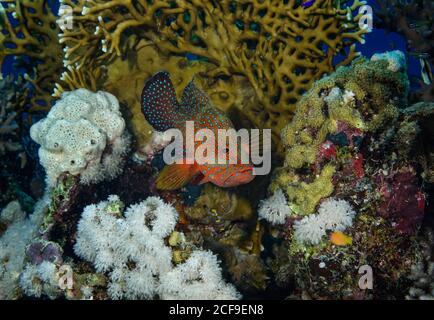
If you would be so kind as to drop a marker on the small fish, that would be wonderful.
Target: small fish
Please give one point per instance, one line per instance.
(340, 239)
(163, 111)
(426, 71)
(308, 4)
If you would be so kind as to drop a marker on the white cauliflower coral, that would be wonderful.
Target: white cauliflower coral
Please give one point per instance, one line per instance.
(199, 278)
(275, 209)
(83, 134)
(333, 214)
(131, 248)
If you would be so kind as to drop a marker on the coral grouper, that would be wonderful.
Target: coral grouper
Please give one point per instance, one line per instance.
(162, 110)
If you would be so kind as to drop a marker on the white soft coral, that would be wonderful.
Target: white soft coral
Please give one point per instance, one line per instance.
(275, 209)
(197, 279)
(131, 249)
(333, 214)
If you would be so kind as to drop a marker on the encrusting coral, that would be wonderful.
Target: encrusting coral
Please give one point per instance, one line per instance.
(350, 152)
(276, 50)
(83, 134)
(33, 34)
(337, 112)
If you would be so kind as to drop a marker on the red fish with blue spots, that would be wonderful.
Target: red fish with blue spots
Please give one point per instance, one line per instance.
(163, 111)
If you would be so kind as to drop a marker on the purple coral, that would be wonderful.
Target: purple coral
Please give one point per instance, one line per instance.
(40, 251)
(402, 201)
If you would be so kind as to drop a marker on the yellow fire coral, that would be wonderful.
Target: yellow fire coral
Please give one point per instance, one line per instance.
(271, 48)
(346, 105)
(34, 34)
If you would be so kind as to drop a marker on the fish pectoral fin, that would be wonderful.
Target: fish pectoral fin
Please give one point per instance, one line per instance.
(200, 179)
(175, 176)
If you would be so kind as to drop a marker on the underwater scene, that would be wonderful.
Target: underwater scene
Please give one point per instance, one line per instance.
(216, 150)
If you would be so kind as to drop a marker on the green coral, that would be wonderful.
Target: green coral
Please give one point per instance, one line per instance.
(363, 97)
(303, 197)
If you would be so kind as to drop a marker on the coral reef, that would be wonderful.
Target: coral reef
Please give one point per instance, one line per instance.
(83, 134)
(351, 148)
(274, 209)
(276, 51)
(198, 278)
(352, 192)
(327, 118)
(12, 104)
(19, 232)
(334, 215)
(139, 262)
(413, 20)
(32, 34)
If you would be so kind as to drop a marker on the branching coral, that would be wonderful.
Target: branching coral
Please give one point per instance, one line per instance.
(280, 48)
(33, 33)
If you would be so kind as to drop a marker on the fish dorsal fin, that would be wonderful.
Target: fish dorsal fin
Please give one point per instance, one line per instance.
(175, 176)
(193, 100)
(159, 103)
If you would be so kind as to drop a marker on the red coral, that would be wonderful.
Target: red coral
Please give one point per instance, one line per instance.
(357, 164)
(403, 203)
(327, 151)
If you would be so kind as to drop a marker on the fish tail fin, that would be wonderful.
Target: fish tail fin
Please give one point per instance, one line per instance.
(159, 102)
(175, 176)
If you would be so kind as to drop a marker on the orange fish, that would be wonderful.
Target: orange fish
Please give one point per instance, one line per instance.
(340, 239)
(163, 111)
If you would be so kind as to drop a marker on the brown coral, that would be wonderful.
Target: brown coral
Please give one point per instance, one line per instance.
(279, 48)
(33, 35)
